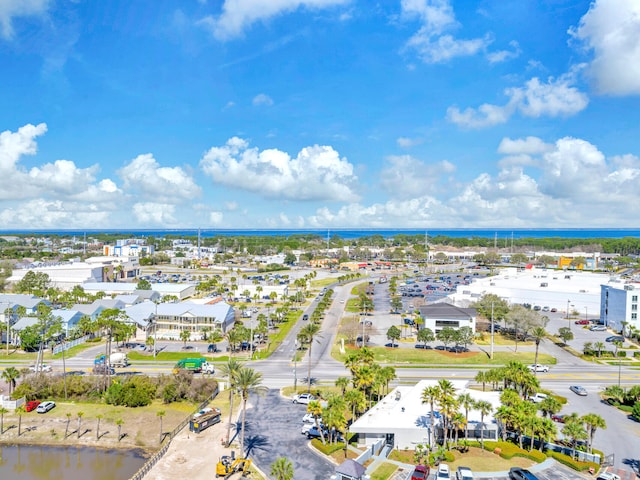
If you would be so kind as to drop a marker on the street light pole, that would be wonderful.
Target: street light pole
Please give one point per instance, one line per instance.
(568, 302)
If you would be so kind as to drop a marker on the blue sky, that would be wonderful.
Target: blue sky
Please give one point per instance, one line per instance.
(319, 113)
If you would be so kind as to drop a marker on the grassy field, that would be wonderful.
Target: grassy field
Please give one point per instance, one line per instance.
(413, 357)
(476, 459)
(384, 471)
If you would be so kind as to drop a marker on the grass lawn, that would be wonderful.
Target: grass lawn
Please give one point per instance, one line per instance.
(476, 459)
(415, 357)
(384, 471)
(73, 351)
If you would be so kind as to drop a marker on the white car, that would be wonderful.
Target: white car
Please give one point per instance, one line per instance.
(303, 398)
(308, 418)
(204, 411)
(444, 472)
(538, 368)
(40, 368)
(306, 427)
(44, 407)
(464, 473)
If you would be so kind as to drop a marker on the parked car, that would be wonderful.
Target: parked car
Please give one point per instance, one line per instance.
(308, 418)
(44, 407)
(615, 338)
(582, 322)
(464, 473)
(598, 328)
(554, 310)
(306, 427)
(313, 432)
(40, 368)
(538, 368)
(31, 405)
(578, 390)
(305, 317)
(391, 345)
(538, 397)
(212, 348)
(608, 476)
(444, 472)
(557, 418)
(303, 398)
(421, 472)
(517, 473)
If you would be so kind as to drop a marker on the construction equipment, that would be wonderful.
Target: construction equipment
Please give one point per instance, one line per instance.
(227, 466)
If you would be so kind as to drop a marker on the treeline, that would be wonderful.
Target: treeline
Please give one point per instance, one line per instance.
(265, 245)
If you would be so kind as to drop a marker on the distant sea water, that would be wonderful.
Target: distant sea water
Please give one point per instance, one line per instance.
(344, 233)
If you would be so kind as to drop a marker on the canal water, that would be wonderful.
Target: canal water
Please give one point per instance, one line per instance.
(31, 462)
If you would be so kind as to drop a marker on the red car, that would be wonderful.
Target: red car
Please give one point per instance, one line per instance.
(582, 322)
(421, 472)
(31, 405)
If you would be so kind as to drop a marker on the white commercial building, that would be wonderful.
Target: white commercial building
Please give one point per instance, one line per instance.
(402, 421)
(619, 303)
(440, 315)
(559, 289)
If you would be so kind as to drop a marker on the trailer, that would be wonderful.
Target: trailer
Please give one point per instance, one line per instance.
(203, 422)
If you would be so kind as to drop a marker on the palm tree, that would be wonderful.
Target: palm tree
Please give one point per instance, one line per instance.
(66, 430)
(484, 408)
(575, 431)
(119, 423)
(247, 381)
(310, 332)
(592, 422)
(356, 400)
(98, 417)
(467, 402)
(481, 377)
(458, 422)
(80, 415)
(20, 410)
(546, 430)
(2, 412)
(282, 469)
(315, 409)
(538, 333)
(11, 375)
(342, 383)
(430, 396)
(230, 370)
(160, 414)
(185, 335)
(549, 406)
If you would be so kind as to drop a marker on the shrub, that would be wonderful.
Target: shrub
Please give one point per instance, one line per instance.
(327, 448)
(622, 353)
(509, 450)
(636, 354)
(635, 410)
(571, 463)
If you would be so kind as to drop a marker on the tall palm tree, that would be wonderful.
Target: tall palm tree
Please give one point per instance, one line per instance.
(356, 400)
(538, 333)
(230, 370)
(430, 396)
(315, 409)
(2, 412)
(484, 408)
(310, 332)
(247, 381)
(546, 430)
(467, 402)
(282, 469)
(342, 383)
(11, 375)
(574, 429)
(592, 422)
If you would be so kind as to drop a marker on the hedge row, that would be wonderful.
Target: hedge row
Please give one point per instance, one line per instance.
(327, 448)
(571, 463)
(509, 450)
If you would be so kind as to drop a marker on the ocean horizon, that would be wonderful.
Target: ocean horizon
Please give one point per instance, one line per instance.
(350, 233)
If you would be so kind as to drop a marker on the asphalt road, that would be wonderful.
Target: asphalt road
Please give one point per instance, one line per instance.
(273, 430)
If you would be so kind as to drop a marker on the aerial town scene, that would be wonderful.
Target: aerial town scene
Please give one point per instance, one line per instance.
(319, 239)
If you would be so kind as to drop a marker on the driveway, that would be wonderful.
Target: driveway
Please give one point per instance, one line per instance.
(273, 430)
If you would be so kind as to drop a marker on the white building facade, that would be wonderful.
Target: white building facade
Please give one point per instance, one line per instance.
(618, 304)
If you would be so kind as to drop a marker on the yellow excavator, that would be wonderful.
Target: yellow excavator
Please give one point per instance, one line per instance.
(227, 466)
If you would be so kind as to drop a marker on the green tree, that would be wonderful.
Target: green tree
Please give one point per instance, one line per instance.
(143, 285)
(282, 468)
(119, 423)
(485, 409)
(2, 412)
(342, 383)
(247, 381)
(538, 333)
(230, 371)
(490, 305)
(430, 396)
(315, 409)
(575, 431)
(592, 423)
(11, 375)
(565, 334)
(446, 335)
(160, 414)
(185, 335)
(393, 334)
(311, 332)
(80, 415)
(425, 335)
(467, 402)
(20, 411)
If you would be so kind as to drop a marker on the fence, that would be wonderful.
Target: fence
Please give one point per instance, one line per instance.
(155, 458)
(6, 402)
(67, 345)
(373, 450)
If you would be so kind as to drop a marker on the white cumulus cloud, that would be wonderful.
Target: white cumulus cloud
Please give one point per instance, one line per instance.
(405, 176)
(237, 15)
(611, 29)
(153, 214)
(144, 175)
(10, 9)
(316, 173)
(15, 144)
(553, 98)
(430, 42)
